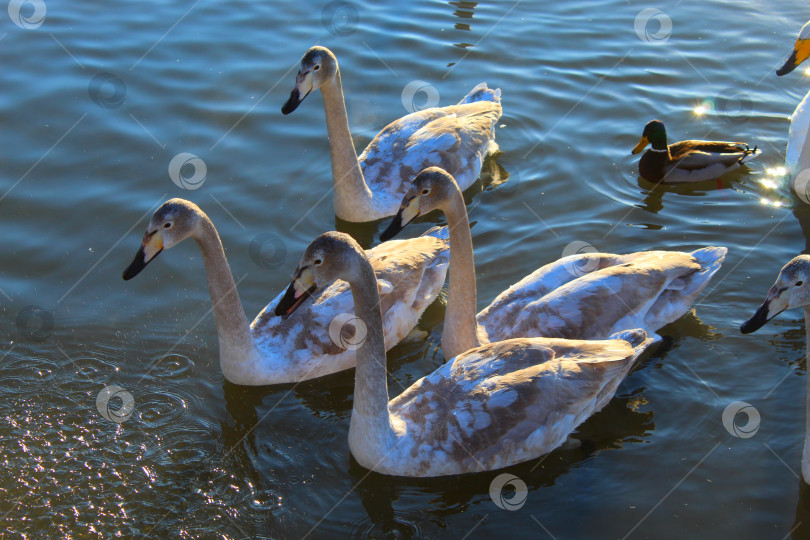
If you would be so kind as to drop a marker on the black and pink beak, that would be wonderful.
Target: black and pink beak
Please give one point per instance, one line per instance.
(302, 287)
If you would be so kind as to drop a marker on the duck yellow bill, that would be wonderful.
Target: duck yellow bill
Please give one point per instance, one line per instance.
(151, 246)
(801, 51)
(301, 288)
(641, 145)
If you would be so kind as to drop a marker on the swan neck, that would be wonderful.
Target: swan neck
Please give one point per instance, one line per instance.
(460, 332)
(236, 345)
(370, 432)
(806, 451)
(347, 177)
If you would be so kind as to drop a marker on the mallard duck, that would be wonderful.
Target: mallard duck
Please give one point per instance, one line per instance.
(487, 408)
(686, 161)
(317, 339)
(791, 290)
(368, 188)
(587, 296)
(797, 157)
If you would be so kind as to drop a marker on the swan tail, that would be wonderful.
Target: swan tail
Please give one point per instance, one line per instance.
(677, 298)
(710, 259)
(482, 93)
(638, 339)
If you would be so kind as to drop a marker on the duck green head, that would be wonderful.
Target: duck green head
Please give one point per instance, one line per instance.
(654, 133)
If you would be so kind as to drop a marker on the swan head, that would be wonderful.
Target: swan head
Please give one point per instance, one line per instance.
(432, 189)
(654, 133)
(318, 66)
(173, 222)
(801, 51)
(329, 257)
(791, 290)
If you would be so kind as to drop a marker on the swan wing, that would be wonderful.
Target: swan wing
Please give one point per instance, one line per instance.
(505, 403)
(315, 340)
(605, 294)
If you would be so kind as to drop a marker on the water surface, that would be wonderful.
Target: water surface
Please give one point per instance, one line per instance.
(98, 99)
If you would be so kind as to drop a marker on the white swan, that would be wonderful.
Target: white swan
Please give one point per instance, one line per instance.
(317, 339)
(797, 158)
(488, 408)
(588, 296)
(370, 187)
(791, 290)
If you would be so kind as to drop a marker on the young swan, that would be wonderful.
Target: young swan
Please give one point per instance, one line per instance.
(310, 343)
(488, 408)
(457, 137)
(686, 161)
(588, 296)
(791, 290)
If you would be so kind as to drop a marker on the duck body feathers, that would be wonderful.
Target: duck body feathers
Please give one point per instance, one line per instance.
(502, 404)
(457, 138)
(693, 161)
(308, 344)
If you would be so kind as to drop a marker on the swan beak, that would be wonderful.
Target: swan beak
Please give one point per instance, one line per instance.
(407, 213)
(301, 288)
(303, 86)
(800, 53)
(641, 145)
(151, 246)
(775, 304)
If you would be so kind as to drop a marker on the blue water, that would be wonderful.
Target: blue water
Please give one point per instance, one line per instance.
(97, 100)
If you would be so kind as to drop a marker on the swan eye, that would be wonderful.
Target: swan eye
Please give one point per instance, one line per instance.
(317, 67)
(167, 225)
(317, 262)
(799, 283)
